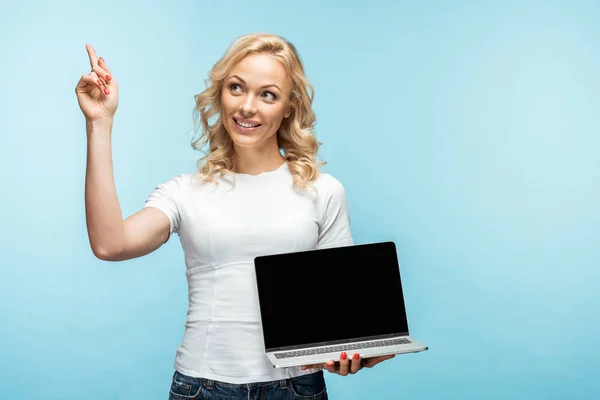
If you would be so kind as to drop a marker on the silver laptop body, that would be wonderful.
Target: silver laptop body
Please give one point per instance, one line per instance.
(316, 304)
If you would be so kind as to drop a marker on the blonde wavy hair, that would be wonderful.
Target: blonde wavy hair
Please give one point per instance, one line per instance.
(296, 134)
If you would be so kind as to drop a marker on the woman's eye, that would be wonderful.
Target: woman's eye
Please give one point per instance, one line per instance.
(235, 87)
(272, 96)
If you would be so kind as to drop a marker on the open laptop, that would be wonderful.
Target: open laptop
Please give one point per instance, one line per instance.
(315, 304)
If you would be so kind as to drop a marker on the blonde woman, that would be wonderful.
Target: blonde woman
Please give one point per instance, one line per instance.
(257, 191)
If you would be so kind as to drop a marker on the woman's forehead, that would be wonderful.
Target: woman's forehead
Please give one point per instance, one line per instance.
(260, 69)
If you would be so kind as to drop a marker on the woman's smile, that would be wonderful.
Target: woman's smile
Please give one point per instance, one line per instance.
(245, 125)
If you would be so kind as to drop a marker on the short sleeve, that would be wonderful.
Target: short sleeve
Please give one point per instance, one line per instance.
(334, 230)
(166, 197)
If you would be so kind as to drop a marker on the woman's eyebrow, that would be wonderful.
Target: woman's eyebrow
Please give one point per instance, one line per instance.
(262, 87)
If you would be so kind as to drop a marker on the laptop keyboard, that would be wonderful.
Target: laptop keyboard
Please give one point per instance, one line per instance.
(334, 349)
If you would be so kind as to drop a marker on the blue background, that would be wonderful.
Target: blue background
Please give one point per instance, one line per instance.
(466, 131)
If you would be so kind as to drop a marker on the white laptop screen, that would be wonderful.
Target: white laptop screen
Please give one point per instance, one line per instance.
(330, 296)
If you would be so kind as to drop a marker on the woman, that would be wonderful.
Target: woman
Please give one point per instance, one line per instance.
(247, 199)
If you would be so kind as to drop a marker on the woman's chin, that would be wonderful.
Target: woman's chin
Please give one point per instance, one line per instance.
(244, 141)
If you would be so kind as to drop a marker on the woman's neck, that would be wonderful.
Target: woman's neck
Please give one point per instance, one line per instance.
(256, 162)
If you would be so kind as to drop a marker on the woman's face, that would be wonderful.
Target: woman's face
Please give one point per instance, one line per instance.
(254, 100)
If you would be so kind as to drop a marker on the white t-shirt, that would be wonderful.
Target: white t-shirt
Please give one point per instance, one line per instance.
(222, 229)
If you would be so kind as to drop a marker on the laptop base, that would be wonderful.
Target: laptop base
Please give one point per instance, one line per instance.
(366, 352)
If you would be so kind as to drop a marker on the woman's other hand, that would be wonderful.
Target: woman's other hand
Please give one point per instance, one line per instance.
(349, 366)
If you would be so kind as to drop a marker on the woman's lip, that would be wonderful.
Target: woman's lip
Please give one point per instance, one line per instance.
(243, 129)
(246, 121)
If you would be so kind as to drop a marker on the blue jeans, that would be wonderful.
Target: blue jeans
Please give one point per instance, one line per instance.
(310, 386)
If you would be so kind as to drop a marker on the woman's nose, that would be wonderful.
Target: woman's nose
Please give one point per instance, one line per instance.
(247, 107)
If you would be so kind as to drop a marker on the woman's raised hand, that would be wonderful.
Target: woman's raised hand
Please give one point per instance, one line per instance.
(97, 91)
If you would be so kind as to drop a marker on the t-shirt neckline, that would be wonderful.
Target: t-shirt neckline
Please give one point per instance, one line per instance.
(262, 174)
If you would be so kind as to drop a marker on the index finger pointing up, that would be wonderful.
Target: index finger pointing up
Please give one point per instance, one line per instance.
(92, 53)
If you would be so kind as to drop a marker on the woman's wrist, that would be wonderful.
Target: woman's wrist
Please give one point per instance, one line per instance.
(103, 124)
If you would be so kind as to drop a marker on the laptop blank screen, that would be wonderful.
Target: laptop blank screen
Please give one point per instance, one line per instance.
(330, 295)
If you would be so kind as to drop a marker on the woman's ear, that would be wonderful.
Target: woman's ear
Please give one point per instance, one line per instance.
(289, 112)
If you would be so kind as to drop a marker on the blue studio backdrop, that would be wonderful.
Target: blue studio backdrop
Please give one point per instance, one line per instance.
(465, 131)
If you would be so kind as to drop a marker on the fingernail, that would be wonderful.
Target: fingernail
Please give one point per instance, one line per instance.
(329, 363)
(303, 368)
(101, 59)
(99, 82)
(356, 356)
(344, 356)
(108, 78)
(106, 91)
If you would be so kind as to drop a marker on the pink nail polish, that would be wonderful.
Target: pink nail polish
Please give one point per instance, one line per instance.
(106, 91)
(329, 363)
(344, 356)
(108, 78)
(356, 356)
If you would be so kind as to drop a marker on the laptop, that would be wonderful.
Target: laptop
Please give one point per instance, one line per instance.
(315, 304)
